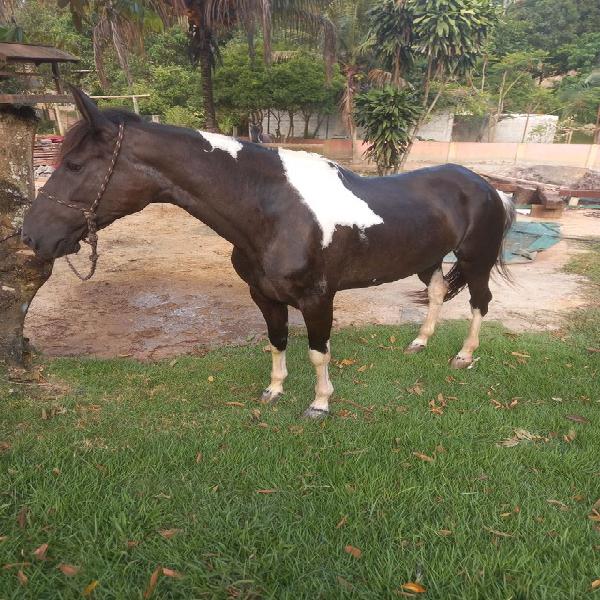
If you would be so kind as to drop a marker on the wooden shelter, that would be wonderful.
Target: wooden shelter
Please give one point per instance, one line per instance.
(13, 54)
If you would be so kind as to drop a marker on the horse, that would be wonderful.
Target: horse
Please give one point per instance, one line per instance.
(302, 227)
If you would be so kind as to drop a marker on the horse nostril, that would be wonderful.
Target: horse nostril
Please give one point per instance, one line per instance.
(27, 240)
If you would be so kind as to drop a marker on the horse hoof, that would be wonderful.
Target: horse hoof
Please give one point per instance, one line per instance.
(315, 413)
(459, 362)
(414, 348)
(268, 397)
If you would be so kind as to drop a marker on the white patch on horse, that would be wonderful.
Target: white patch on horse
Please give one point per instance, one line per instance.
(222, 142)
(317, 181)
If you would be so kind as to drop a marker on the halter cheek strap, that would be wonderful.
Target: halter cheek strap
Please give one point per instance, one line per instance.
(89, 214)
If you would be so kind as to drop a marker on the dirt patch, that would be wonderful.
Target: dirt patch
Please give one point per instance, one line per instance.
(165, 286)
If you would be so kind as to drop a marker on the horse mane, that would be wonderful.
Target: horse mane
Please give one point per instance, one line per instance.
(82, 129)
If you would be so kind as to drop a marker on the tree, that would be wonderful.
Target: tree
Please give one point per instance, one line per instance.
(388, 116)
(210, 20)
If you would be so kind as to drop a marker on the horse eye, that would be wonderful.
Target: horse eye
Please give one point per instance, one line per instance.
(73, 166)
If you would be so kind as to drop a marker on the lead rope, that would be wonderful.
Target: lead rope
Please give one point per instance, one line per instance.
(90, 213)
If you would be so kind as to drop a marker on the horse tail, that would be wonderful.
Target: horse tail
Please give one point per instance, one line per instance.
(455, 278)
(510, 215)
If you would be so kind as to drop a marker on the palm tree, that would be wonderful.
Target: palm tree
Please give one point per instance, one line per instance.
(210, 20)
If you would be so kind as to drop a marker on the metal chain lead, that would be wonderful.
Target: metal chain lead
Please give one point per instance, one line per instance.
(89, 214)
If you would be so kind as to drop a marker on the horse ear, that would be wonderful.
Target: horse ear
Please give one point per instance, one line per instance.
(88, 109)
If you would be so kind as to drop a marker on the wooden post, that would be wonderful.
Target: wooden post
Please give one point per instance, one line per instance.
(596, 138)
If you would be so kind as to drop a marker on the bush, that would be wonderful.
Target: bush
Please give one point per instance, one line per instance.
(388, 116)
(183, 117)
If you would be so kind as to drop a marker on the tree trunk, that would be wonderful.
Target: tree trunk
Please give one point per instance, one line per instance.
(205, 59)
(21, 272)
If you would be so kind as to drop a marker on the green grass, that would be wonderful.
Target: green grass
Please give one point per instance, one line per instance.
(129, 449)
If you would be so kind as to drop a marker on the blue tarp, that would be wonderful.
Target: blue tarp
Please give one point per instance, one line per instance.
(525, 240)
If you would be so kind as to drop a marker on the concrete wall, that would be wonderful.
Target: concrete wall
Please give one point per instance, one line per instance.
(517, 128)
(331, 126)
(471, 153)
(438, 127)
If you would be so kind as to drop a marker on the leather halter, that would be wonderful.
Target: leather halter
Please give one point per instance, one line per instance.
(89, 213)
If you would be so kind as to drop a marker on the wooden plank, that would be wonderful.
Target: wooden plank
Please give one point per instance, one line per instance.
(36, 99)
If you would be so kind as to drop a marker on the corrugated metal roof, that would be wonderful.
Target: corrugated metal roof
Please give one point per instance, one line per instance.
(13, 52)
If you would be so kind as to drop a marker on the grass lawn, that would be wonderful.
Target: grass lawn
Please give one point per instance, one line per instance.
(123, 468)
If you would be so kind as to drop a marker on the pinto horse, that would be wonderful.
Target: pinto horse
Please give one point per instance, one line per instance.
(302, 227)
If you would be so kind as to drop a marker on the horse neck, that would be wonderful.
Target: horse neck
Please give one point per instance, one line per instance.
(210, 185)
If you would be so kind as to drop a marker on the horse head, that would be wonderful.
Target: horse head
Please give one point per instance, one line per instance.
(95, 178)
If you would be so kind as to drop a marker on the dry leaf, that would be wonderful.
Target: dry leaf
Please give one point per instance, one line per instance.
(498, 533)
(577, 419)
(171, 573)
(521, 354)
(3, 538)
(4, 446)
(346, 362)
(355, 552)
(444, 532)
(558, 503)
(596, 584)
(414, 587)
(90, 587)
(569, 437)
(210, 379)
(417, 388)
(423, 456)
(266, 491)
(22, 577)
(392, 339)
(198, 457)
(173, 362)
(68, 570)
(362, 369)
(40, 553)
(132, 544)
(152, 583)
(240, 404)
(169, 533)
(22, 517)
(342, 522)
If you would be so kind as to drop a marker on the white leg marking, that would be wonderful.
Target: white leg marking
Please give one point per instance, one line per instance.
(465, 357)
(278, 375)
(323, 388)
(436, 290)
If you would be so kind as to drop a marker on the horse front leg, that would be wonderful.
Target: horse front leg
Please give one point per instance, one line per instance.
(276, 317)
(318, 316)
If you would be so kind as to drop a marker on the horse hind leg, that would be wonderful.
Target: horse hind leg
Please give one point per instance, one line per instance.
(276, 317)
(436, 291)
(479, 289)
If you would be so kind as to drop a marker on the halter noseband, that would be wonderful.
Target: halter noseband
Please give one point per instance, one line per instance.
(89, 214)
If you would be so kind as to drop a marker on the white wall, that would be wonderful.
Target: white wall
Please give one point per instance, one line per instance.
(540, 128)
(437, 128)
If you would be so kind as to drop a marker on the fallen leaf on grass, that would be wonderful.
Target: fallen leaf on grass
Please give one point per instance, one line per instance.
(577, 419)
(362, 369)
(68, 570)
(353, 551)
(4, 446)
(345, 362)
(444, 532)
(342, 522)
(414, 587)
(239, 404)
(210, 379)
(521, 354)
(40, 553)
(90, 587)
(132, 544)
(198, 457)
(423, 456)
(171, 573)
(344, 583)
(417, 388)
(569, 437)
(169, 533)
(521, 435)
(266, 491)
(593, 349)
(13, 565)
(22, 517)
(152, 583)
(499, 533)
(596, 584)
(22, 577)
